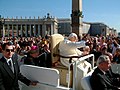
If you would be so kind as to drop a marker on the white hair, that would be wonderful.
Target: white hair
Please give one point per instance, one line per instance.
(72, 35)
(102, 58)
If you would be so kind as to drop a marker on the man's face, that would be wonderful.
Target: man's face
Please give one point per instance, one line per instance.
(107, 65)
(73, 39)
(35, 55)
(9, 51)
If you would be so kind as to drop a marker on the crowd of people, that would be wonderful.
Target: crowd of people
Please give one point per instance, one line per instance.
(36, 50)
(31, 50)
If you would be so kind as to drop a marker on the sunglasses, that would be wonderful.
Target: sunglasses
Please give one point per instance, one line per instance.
(9, 50)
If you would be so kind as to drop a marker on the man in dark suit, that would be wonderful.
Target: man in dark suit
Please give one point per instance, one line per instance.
(9, 72)
(103, 78)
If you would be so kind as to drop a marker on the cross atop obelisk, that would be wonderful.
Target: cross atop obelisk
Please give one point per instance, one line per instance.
(77, 16)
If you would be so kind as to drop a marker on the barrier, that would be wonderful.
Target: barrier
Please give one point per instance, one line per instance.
(43, 75)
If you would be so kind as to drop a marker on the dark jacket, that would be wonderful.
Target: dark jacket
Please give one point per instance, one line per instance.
(43, 60)
(116, 59)
(8, 79)
(31, 60)
(101, 81)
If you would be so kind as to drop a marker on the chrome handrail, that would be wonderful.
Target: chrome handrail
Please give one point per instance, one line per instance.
(75, 67)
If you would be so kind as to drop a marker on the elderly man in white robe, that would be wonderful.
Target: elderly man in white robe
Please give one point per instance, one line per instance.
(69, 47)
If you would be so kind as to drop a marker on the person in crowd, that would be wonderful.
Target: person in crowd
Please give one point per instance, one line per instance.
(105, 52)
(46, 55)
(115, 46)
(96, 51)
(9, 70)
(103, 78)
(86, 50)
(69, 47)
(102, 41)
(33, 57)
(116, 57)
(110, 45)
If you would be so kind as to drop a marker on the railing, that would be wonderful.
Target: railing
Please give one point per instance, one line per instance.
(80, 59)
(71, 66)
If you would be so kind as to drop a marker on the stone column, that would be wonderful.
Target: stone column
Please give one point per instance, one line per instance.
(3, 30)
(51, 28)
(12, 31)
(21, 31)
(34, 30)
(38, 29)
(43, 30)
(26, 31)
(77, 16)
(8, 30)
(30, 30)
(17, 30)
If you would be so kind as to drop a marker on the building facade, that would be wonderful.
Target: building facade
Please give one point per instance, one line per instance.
(47, 26)
(64, 26)
(101, 29)
(28, 27)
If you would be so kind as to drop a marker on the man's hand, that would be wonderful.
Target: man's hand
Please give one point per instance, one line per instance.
(33, 83)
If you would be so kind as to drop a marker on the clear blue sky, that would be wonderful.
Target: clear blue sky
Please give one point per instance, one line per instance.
(106, 11)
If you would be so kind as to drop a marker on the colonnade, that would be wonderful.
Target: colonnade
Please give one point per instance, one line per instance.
(22, 30)
(28, 27)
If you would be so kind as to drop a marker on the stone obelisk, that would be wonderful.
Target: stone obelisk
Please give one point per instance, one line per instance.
(76, 17)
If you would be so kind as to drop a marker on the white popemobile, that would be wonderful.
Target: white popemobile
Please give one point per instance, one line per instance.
(60, 78)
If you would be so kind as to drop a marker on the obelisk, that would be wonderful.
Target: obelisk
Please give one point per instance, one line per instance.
(76, 17)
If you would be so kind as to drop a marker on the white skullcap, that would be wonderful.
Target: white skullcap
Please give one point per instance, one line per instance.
(72, 35)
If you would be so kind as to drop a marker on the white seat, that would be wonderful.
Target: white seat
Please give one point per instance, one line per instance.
(55, 39)
(54, 44)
